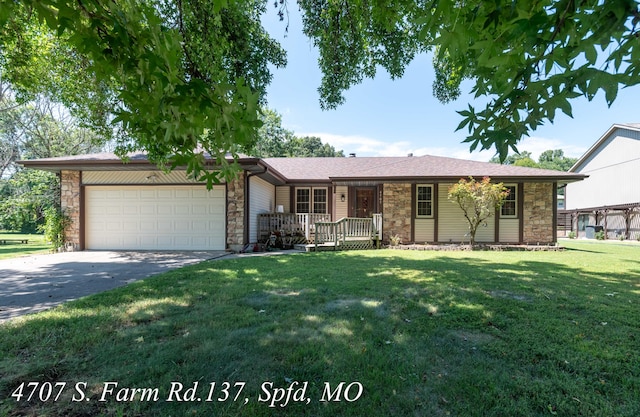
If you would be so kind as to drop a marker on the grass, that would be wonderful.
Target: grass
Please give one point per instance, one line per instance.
(424, 333)
(36, 245)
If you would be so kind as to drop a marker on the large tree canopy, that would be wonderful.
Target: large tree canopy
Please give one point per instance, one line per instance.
(180, 78)
(550, 159)
(37, 129)
(527, 58)
(276, 141)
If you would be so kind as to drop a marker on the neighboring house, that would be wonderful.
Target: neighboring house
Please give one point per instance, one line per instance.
(609, 200)
(133, 205)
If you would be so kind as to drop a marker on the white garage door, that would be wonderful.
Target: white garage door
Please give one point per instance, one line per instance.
(158, 217)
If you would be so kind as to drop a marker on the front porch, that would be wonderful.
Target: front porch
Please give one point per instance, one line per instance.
(318, 231)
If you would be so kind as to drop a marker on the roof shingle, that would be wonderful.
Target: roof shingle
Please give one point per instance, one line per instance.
(322, 169)
(336, 169)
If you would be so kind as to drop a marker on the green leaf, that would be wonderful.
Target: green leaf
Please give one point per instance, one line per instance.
(611, 92)
(591, 54)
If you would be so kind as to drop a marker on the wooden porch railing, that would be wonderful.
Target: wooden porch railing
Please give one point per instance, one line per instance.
(300, 225)
(377, 228)
(349, 232)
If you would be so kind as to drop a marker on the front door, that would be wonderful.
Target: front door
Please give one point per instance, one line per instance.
(365, 204)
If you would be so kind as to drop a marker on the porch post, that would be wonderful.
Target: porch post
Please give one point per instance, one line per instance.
(307, 228)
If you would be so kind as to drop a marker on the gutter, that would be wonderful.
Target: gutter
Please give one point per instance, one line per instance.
(247, 206)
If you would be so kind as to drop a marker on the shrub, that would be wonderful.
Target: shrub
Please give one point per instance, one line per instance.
(395, 240)
(55, 223)
(600, 235)
(572, 235)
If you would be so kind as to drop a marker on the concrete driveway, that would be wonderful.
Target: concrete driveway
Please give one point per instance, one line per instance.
(33, 283)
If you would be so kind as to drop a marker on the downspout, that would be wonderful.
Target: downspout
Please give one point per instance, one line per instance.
(554, 203)
(247, 205)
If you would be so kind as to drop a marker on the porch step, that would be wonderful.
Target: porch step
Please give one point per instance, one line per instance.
(311, 247)
(346, 245)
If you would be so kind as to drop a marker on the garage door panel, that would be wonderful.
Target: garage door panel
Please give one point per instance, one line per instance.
(181, 225)
(199, 209)
(186, 240)
(113, 226)
(95, 227)
(130, 226)
(130, 210)
(202, 241)
(148, 241)
(164, 194)
(113, 210)
(182, 210)
(199, 225)
(130, 194)
(184, 193)
(155, 217)
(112, 241)
(164, 226)
(216, 210)
(129, 240)
(164, 241)
(147, 226)
(218, 192)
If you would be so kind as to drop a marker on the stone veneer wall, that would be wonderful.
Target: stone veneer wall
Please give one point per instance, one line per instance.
(235, 212)
(396, 217)
(538, 213)
(70, 204)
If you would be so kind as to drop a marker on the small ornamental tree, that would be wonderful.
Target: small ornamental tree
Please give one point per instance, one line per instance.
(478, 200)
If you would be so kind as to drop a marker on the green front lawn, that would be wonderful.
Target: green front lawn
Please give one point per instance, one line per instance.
(421, 333)
(36, 244)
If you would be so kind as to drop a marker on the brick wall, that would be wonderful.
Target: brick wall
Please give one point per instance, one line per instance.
(235, 212)
(70, 203)
(538, 213)
(396, 211)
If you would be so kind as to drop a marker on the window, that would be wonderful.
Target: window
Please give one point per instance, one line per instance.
(320, 200)
(311, 200)
(303, 200)
(510, 206)
(424, 200)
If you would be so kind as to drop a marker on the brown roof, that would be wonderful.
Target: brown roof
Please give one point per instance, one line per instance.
(416, 167)
(106, 161)
(332, 169)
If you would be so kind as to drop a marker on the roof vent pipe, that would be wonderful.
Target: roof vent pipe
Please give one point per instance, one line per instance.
(352, 155)
(410, 155)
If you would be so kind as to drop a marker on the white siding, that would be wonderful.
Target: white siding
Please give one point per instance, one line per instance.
(262, 197)
(342, 207)
(453, 226)
(155, 217)
(136, 177)
(424, 229)
(613, 171)
(283, 197)
(509, 230)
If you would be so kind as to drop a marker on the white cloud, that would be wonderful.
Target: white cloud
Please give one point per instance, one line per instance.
(537, 145)
(361, 145)
(365, 146)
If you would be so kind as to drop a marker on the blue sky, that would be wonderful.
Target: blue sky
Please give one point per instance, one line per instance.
(382, 117)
